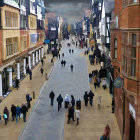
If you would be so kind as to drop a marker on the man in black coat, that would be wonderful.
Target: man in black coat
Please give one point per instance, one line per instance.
(24, 109)
(91, 95)
(86, 98)
(52, 97)
(59, 100)
(70, 114)
(13, 110)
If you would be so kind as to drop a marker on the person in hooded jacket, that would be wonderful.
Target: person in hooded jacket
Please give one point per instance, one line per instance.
(59, 100)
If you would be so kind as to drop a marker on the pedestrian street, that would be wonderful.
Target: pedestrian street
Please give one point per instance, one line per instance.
(45, 122)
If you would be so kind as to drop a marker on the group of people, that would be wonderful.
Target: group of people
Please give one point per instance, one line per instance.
(17, 112)
(71, 51)
(69, 103)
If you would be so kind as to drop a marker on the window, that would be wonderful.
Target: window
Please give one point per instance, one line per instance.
(100, 6)
(32, 5)
(125, 2)
(23, 42)
(11, 19)
(133, 55)
(11, 46)
(23, 21)
(133, 1)
(32, 22)
(23, 2)
(115, 49)
(125, 50)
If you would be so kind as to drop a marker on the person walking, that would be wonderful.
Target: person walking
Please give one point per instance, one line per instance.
(72, 51)
(24, 109)
(13, 110)
(18, 112)
(86, 98)
(17, 84)
(42, 61)
(6, 111)
(99, 101)
(30, 73)
(71, 66)
(104, 84)
(67, 101)
(106, 135)
(64, 63)
(91, 95)
(59, 100)
(113, 104)
(72, 101)
(51, 96)
(77, 114)
(70, 113)
(62, 54)
(41, 70)
(5, 118)
(28, 99)
(95, 81)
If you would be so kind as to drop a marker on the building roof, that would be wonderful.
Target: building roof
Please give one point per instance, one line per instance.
(109, 5)
(88, 13)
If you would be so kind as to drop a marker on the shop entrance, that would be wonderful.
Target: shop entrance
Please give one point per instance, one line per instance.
(132, 129)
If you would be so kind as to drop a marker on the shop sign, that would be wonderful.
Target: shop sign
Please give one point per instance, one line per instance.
(132, 111)
(118, 82)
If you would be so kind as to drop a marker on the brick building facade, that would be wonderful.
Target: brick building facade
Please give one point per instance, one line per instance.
(125, 52)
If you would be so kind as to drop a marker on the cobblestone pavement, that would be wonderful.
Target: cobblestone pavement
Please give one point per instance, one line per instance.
(46, 123)
(13, 130)
(92, 119)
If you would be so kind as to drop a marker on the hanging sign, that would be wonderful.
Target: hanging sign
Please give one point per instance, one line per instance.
(118, 82)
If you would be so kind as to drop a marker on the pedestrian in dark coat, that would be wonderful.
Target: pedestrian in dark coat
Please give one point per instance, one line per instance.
(24, 109)
(17, 84)
(41, 70)
(51, 96)
(28, 99)
(70, 113)
(59, 100)
(64, 63)
(30, 74)
(72, 101)
(6, 111)
(86, 98)
(62, 54)
(13, 110)
(69, 50)
(72, 51)
(91, 95)
(42, 61)
(71, 66)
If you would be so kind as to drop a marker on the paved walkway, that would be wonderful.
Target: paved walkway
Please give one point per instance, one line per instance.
(46, 123)
(93, 120)
(13, 130)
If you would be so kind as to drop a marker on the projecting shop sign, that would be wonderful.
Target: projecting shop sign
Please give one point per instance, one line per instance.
(118, 82)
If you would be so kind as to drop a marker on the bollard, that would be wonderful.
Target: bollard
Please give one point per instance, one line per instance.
(46, 76)
(33, 94)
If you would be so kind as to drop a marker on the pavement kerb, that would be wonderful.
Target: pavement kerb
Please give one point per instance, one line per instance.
(35, 105)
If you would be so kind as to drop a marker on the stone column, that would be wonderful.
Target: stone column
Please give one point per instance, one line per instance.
(24, 65)
(39, 54)
(10, 77)
(36, 56)
(33, 58)
(29, 61)
(42, 54)
(18, 70)
(0, 84)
